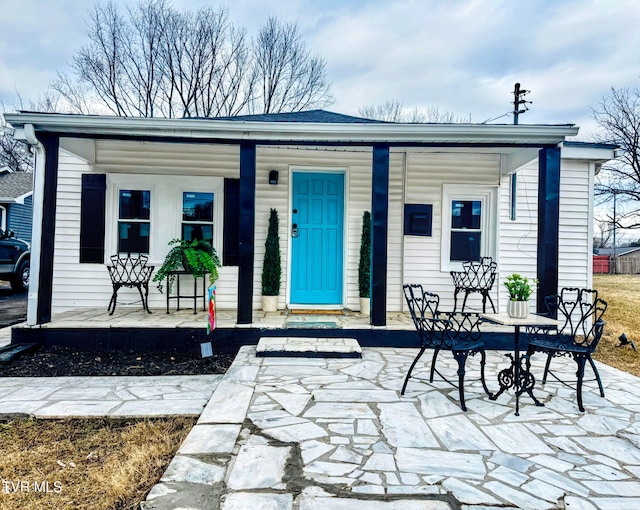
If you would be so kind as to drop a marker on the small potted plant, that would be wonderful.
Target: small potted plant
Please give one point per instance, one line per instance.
(197, 257)
(364, 267)
(520, 289)
(271, 266)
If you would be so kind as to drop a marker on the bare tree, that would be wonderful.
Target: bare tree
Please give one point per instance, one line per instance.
(603, 237)
(13, 153)
(158, 61)
(394, 111)
(618, 117)
(289, 77)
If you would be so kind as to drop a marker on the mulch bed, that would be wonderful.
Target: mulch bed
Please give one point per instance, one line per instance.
(50, 361)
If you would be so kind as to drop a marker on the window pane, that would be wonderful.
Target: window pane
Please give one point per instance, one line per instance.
(197, 206)
(465, 246)
(191, 232)
(135, 204)
(466, 213)
(133, 237)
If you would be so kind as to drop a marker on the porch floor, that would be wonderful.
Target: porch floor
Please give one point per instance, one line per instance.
(226, 319)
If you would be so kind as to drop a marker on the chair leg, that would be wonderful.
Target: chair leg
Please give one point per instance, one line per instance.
(455, 299)
(146, 297)
(432, 372)
(114, 297)
(597, 374)
(461, 358)
(406, 379)
(581, 361)
(546, 368)
(464, 301)
(490, 301)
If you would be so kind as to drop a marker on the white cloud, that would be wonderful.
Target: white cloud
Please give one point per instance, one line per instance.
(463, 56)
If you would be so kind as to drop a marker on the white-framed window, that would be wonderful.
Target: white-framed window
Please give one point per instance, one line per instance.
(197, 215)
(145, 212)
(469, 224)
(134, 220)
(3, 218)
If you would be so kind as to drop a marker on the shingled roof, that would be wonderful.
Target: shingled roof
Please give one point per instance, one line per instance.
(15, 185)
(316, 116)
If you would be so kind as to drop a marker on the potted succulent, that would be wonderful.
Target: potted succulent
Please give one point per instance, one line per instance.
(364, 267)
(271, 266)
(197, 257)
(520, 289)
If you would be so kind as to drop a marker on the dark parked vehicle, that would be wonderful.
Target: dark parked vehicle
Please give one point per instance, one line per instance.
(15, 258)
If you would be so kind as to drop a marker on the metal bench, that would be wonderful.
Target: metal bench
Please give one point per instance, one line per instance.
(130, 272)
(444, 331)
(580, 312)
(476, 276)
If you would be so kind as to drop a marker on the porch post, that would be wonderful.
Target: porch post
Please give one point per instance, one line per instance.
(379, 222)
(548, 223)
(51, 144)
(247, 199)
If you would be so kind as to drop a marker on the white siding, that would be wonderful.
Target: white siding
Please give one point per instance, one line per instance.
(426, 173)
(411, 259)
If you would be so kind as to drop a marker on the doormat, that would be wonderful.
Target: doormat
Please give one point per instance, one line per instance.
(311, 325)
(314, 311)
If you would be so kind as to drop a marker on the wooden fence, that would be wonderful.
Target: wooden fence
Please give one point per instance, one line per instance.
(604, 264)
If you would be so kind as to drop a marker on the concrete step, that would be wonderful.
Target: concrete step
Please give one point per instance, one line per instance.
(308, 347)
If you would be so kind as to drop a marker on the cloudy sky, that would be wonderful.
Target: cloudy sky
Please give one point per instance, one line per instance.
(460, 55)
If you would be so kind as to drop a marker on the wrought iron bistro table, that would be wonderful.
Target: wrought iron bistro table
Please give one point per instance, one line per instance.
(517, 376)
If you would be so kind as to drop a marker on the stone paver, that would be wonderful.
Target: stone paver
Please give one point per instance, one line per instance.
(339, 430)
(110, 397)
(301, 434)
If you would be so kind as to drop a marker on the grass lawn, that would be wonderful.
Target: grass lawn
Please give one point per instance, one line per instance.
(622, 293)
(85, 464)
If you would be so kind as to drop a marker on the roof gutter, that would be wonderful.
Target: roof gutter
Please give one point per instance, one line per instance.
(38, 214)
(291, 131)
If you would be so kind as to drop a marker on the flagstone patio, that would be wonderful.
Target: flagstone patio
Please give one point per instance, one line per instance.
(296, 433)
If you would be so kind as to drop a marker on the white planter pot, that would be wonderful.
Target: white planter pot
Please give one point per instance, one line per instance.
(518, 309)
(365, 306)
(269, 303)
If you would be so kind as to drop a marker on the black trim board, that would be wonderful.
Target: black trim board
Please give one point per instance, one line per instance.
(224, 339)
(51, 145)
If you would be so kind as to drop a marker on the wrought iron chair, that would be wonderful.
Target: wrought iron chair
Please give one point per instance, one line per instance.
(444, 331)
(129, 272)
(580, 312)
(476, 276)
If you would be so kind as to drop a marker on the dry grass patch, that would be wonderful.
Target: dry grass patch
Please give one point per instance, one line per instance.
(85, 464)
(622, 294)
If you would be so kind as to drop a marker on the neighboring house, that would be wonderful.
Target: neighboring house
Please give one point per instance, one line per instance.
(439, 194)
(624, 260)
(16, 198)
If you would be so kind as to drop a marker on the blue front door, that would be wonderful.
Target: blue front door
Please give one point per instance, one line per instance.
(317, 243)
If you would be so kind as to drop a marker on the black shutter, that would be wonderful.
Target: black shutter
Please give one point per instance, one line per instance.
(92, 212)
(231, 229)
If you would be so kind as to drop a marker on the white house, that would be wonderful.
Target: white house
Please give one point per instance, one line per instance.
(438, 193)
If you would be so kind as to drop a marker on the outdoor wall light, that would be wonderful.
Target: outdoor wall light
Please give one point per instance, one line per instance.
(273, 177)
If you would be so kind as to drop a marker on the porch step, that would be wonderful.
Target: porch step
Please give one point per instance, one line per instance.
(308, 347)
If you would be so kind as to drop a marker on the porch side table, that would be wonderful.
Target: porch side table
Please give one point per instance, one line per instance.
(193, 295)
(516, 376)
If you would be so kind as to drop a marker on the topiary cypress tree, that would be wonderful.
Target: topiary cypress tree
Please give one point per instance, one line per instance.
(364, 268)
(272, 266)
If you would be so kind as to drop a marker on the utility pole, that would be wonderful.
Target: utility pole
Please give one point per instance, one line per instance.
(519, 104)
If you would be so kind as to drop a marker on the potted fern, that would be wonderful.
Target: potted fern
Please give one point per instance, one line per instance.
(197, 257)
(520, 289)
(271, 266)
(364, 267)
